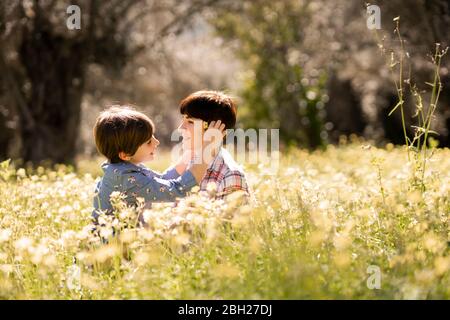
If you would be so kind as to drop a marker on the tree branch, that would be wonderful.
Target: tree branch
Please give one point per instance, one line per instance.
(177, 21)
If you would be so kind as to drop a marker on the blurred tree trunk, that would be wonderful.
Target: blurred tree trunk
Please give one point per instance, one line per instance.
(55, 68)
(344, 111)
(5, 134)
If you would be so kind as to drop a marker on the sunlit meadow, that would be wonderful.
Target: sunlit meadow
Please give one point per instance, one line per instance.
(313, 231)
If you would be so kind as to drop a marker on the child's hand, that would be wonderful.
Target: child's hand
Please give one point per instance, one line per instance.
(184, 161)
(212, 140)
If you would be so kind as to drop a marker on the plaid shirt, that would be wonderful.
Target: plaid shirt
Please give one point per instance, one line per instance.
(227, 175)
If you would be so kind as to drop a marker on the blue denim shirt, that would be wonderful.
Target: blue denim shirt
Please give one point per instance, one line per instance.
(138, 181)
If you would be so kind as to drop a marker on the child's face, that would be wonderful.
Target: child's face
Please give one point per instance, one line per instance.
(145, 152)
(192, 131)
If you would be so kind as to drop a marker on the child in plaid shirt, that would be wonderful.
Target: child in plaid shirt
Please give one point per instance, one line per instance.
(208, 106)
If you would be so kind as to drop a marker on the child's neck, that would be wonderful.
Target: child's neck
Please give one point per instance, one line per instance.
(135, 163)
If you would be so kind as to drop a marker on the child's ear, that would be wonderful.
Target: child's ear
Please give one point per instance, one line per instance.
(123, 156)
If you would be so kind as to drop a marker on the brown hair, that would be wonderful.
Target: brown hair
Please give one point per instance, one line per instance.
(121, 128)
(210, 106)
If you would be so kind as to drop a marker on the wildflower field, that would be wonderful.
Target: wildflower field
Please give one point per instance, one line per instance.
(325, 227)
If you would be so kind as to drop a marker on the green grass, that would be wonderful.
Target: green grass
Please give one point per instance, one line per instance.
(312, 233)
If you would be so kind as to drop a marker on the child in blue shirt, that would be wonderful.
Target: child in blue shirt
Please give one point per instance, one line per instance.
(126, 138)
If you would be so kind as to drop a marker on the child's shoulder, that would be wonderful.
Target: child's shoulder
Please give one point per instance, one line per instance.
(118, 168)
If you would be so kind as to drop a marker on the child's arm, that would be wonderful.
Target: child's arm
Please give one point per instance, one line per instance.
(170, 173)
(155, 189)
(183, 163)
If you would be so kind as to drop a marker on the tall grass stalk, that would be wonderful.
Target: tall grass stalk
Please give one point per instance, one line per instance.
(424, 115)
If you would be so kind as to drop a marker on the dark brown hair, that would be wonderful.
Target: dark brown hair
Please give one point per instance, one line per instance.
(210, 106)
(121, 128)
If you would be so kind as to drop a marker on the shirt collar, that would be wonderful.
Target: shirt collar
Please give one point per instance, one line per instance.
(121, 167)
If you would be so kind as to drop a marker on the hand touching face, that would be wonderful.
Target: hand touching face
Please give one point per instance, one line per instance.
(201, 138)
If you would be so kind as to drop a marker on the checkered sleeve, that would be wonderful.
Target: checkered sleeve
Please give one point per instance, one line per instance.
(232, 181)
